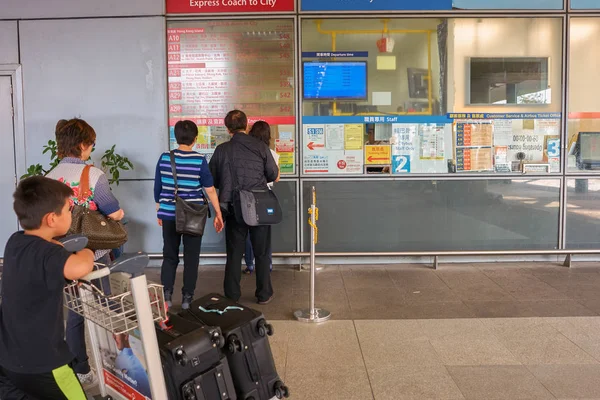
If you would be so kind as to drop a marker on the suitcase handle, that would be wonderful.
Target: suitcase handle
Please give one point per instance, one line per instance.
(97, 274)
(220, 312)
(252, 366)
(220, 377)
(74, 243)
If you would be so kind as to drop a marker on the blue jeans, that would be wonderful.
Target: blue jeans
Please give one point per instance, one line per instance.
(75, 331)
(249, 255)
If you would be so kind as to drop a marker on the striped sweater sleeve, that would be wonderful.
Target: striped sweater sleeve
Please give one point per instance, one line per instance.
(107, 203)
(157, 182)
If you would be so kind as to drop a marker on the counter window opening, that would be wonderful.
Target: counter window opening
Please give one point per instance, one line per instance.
(442, 96)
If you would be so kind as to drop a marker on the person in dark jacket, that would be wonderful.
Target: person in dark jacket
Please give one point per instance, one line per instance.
(243, 163)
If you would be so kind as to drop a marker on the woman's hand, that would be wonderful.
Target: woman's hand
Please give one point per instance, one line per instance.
(218, 224)
(117, 215)
(214, 200)
(159, 221)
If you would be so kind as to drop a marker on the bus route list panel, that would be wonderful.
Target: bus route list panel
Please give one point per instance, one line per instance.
(218, 66)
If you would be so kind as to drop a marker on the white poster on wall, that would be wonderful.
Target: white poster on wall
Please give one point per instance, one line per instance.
(334, 136)
(432, 142)
(317, 163)
(420, 148)
(526, 137)
(346, 162)
(314, 137)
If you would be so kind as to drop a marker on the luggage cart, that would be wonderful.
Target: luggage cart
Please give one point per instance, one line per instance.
(131, 310)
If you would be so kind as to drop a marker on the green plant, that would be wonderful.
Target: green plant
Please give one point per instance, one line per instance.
(38, 169)
(113, 163)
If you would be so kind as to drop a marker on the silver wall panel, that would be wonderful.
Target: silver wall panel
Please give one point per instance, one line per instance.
(110, 72)
(24, 9)
(9, 42)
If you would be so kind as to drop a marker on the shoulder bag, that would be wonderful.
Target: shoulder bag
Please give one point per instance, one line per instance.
(102, 232)
(253, 207)
(190, 218)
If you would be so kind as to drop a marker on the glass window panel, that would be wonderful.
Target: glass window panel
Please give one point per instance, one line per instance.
(584, 103)
(283, 236)
(509, 4)
(583, 213)
(504, 93)
(371, 96)
(442, 96)
(218, 66)
(585, 4)
(509, 80)
(373, 216)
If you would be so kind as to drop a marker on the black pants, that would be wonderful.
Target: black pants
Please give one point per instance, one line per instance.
(235, 237)
(191, 258)
(60, 384)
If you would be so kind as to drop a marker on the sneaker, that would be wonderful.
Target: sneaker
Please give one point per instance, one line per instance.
(169, 298)
(187, 299)
(265, 302)
(88, 379)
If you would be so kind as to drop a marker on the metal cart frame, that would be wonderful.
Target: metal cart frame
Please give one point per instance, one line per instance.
(133, 304)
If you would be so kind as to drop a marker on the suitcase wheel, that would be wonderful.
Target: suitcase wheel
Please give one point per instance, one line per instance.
(281, 390)
(234, 344)
(218, 340)
(270, 330)
(264, 328)
(181, 357)
(189, 393)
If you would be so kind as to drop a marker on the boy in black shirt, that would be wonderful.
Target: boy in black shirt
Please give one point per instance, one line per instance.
(34, 357)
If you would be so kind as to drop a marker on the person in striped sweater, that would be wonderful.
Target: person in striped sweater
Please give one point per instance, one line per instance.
(192, 175)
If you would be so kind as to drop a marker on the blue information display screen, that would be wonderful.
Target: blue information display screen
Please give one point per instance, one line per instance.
(335, 80)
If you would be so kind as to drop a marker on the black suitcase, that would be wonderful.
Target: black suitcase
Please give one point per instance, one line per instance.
(247, 345)
(192, 361)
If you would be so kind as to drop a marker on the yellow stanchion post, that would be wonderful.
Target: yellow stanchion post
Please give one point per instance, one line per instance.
(313, 314)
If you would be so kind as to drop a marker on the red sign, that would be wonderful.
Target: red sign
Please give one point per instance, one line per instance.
(313, 145)
(202, 121)
(228, 6)
(121, 387)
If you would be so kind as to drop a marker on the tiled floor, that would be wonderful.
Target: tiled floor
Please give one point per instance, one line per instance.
(418, 292)
(488, 331)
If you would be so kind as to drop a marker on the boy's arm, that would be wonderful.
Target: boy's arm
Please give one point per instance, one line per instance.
(79, 264)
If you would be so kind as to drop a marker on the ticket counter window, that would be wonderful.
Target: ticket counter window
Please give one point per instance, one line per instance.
(468, 95)
(218, 66)
(364, 80)
(583, 140)
(505, 95)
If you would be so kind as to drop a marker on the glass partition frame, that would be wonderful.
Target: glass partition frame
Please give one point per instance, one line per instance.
(300, 179)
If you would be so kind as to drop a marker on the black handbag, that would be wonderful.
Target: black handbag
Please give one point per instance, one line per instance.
(253, 207)
(190, 218)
